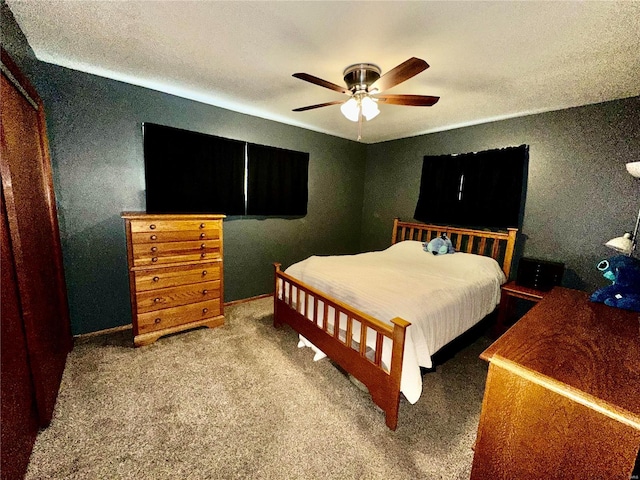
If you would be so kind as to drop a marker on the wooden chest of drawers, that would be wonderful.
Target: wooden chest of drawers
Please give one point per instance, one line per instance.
(561, 399)
(175, 273)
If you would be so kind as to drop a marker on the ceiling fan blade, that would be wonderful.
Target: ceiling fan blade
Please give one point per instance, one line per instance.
(399, 74)
(323, 83)
(311, 107)
(413, 100)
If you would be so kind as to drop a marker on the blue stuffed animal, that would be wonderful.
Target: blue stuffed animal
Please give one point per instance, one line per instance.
(439, 245)
(624, 292)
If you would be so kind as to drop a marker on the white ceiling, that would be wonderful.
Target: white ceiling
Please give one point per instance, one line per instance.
(489, 60)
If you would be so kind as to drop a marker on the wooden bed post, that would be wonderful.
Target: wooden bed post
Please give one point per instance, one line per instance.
(397, 353)
(508, 256)
(276, 322)
(395, 230)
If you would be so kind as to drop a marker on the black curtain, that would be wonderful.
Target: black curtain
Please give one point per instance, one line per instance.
(190, 172)
(439, 184)
(277, 181)
(483, 189)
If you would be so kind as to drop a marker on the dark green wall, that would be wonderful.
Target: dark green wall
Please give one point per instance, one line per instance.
(95, 134)
(579, 194)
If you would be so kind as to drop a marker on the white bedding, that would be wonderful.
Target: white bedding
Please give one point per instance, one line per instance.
(441, 295)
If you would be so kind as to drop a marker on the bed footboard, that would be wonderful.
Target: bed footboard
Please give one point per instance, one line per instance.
(345, 335)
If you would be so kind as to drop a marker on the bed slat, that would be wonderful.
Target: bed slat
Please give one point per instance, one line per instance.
(378, 357)
(495, 249)
(325, 317)
(458, 241)
(469, 248)
(315, 309)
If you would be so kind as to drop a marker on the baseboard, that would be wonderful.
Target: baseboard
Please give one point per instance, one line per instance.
(130, 326)
(243, 300)
(105, 331)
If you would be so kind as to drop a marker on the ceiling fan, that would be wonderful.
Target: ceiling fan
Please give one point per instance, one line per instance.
(364, 87)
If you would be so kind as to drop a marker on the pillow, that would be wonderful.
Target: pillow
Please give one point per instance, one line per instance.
(439, 245)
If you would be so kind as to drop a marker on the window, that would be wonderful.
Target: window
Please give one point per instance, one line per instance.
(483, 189)
(276, 181)
(189, 172)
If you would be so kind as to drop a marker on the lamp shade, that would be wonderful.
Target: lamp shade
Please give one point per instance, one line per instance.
(369, 108)
(634, 169)
(350, 109)
(623, 244)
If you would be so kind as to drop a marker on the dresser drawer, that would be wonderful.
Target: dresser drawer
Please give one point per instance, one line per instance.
(170, 317)
(155, 236)
(166, 225)
(175, 296)
(172, 252)
(174, 276)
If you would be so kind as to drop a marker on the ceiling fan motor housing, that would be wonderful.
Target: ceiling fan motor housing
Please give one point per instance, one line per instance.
(361, 75)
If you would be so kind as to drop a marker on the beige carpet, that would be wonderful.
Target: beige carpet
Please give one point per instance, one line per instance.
(242, 401)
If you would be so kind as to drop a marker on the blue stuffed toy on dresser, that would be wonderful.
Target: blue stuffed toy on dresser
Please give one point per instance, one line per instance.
(624, 292)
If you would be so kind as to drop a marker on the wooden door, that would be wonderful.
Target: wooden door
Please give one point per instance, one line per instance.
(29, 202)
(19, 426)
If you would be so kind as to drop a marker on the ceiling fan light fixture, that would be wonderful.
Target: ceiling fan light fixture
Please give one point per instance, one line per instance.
(350, 109)
(369, 108)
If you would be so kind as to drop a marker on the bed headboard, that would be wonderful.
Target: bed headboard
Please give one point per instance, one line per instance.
(497, 245)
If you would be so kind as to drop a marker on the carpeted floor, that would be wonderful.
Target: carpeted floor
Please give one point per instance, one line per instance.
(241, 401)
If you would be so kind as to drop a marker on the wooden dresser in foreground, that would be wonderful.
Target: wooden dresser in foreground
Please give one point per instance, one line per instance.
(175, 273)
(562, 399)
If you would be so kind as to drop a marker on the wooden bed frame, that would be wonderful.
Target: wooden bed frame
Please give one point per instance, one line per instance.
(292, 296)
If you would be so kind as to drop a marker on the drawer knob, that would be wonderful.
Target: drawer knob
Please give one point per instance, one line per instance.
(154, 237)
(204, 245)
(205, 310)
(202, 225)
(154, 249)
(204, 272)
(157, 320)
(152, 226)
(202, 235)
(156, 279)
(204, 292)
(154, 259)
(156, 300)
(202, 255)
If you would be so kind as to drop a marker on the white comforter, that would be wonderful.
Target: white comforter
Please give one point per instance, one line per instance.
(441, 295)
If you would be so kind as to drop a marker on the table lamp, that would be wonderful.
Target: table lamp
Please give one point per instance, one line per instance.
(626, 244)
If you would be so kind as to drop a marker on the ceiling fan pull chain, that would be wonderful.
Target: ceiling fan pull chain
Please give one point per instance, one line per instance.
(359, 124)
